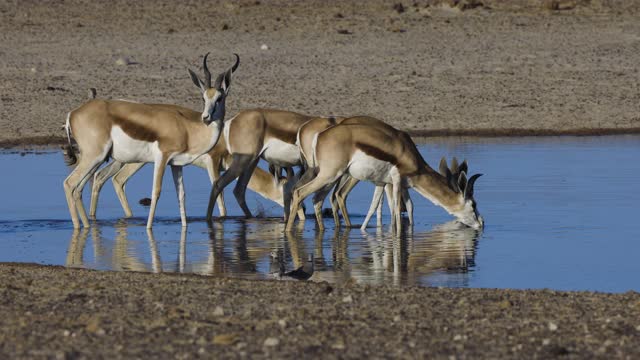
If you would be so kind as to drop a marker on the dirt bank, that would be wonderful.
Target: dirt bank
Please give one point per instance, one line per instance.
(498, 68)
(67, 313)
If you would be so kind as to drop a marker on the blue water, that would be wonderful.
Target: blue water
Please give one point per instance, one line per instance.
(560, 213)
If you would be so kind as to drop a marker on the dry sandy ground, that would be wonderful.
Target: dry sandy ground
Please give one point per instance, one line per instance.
(53, 312)
(508, 67)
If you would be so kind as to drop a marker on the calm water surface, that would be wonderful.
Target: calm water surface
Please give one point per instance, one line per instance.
(560, 213)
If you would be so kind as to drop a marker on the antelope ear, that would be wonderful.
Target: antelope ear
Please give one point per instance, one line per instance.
(443, 167)
(468, 192)
(462, 182)
(196, 80)
(463, 167)
(454, 166)
(453, 184)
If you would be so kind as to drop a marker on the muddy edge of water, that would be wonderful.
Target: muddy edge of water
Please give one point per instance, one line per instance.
(52, 311)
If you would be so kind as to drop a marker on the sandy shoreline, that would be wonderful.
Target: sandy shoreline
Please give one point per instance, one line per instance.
(51, 311)
(505, 68)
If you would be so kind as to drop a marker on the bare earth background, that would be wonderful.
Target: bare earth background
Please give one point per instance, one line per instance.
(503, 67)
(500, 68)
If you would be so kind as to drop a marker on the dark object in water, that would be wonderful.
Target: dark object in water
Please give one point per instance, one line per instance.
(304, 272)
(327, 213)
(145, 202)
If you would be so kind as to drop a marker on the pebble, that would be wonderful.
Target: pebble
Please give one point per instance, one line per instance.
(347, 299)
(218, 311)
(264, 47)
(553, 326)
(271, 342)
(282, 323)
(546, 342)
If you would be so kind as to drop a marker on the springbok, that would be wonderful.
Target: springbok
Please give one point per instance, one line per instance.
(255, 134)
(133, 132)
(367, 153)
(216, 159)
(306, 137)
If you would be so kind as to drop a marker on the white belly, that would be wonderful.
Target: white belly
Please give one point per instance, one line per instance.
(127, 149)
(183, 159)
(367, 168)
(280, 153)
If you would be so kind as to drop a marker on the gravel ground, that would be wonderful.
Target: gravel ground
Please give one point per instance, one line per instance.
(54, 312)
(503, 68)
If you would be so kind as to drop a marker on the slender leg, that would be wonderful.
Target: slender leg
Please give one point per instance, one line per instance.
(307, 176)
(99, 178)
(222, 207)
(176, 171)
(120, 179)
(318, 200)
(158, 171)
(304, 191)
(379, 212)
(74, 183)
(375, 203)
(240, 189)
(341, 197)
(388, 190)
(335, 206)
(240, 161)
(397, 188)
(408, 204)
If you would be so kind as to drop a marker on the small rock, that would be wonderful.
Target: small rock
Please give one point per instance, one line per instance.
(225, 339)
(218, 311)
(553, 326)
(66, 333)
(121, 61)
(145, 202)
(339, 16)
(396, 318)
(347, 299)
(264, 47)
(457, 337)
(282, 323)
(345, 32)
(546, 342)
(399, 8)
(225, 26)
(338, 345)
(270, 342)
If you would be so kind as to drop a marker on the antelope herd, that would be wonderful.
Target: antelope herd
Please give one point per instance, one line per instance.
(331, 153)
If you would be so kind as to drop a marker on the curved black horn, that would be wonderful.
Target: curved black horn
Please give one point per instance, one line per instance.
(468, 193)
(235, 66)
(207, 74)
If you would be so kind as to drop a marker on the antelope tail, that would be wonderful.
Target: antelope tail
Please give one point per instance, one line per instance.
(68, 151)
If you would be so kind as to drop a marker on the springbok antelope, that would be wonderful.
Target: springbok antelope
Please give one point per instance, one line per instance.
(367, 153)
(135, 132)
(306, 137)
(260, 182)
(255, 134)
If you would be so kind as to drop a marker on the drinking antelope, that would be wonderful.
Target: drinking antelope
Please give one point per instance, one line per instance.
(306, 137)
(134, 132)
(367, 153)
(260, 181)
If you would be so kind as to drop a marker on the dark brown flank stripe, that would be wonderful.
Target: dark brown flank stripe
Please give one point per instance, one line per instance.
(136, 131)
(282, 134)
(376, 153)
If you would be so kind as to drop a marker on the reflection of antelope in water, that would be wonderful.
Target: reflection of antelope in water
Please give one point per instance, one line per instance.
(121, 257)
(449, 247)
